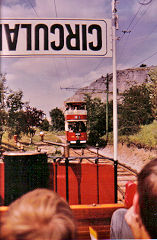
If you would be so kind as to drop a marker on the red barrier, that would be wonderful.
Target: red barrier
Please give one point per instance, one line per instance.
(129, 193)
(1, 183)
(88, 183)
(106, 184)
(60, 179)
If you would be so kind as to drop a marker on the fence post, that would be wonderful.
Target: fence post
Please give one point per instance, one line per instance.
(66, 150)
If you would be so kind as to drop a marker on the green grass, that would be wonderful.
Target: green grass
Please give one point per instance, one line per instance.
(145, 138)
(10, 145)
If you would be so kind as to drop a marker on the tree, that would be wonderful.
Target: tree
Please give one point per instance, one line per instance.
(96, 115)
(143, 65)
(33, 118)
(3, 114)
(15, 120)
(21, 117)
(45, 125)
(135, 109)
(57, 119)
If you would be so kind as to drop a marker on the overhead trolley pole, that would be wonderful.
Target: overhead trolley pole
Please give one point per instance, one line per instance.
(115, 121)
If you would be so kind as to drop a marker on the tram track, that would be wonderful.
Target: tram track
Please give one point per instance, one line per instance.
(124, 172)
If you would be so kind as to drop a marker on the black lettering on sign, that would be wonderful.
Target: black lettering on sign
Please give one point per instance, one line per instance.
(75, 36)
(84, 37)
(12, 42)
(28, 35)
(99, 37)
(0, 37)
(37, 29)
(61, 36)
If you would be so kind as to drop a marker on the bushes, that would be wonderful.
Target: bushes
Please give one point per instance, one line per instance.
(135, 110)
(146, 137)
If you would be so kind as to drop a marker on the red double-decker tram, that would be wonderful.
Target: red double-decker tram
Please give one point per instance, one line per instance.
(75, 122)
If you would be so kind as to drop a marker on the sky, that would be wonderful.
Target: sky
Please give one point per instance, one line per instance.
(43, 79)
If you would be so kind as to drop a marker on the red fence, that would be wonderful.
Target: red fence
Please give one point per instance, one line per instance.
(84, 183)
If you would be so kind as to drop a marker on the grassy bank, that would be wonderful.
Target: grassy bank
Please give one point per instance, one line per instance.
(24, 141)
(145, 138)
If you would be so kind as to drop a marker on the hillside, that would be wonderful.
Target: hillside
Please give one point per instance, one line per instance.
(125, 79)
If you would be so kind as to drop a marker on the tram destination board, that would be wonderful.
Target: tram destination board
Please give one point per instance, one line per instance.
(63, 37)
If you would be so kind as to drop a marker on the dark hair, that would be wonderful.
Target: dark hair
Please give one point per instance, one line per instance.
(147, 190)
(38, 215)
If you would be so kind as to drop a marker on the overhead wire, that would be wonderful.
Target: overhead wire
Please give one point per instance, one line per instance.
(145, 3)
(142, 14)
(145, 59)
(38, 16)
(128, 32)
(32, 7)
(66, 63)
(132, 20)
(55, 8)
(128, 28)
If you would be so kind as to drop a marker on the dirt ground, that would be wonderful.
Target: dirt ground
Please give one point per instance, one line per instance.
(132, 156)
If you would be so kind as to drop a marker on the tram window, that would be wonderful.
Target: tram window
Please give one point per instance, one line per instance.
(77, 127)
(70, 106)
(83, 127)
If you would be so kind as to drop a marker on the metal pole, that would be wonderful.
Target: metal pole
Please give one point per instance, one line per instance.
(115, 125)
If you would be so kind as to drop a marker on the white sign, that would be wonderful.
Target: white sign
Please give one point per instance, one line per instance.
(60, 37)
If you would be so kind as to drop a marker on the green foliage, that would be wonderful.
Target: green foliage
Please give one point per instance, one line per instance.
(9, 144)
(57, 119)
(33, 118)
(15, 123)
(14, 101)
(146, 137)
(135, 110)
(45, 125)
(96, 115)
(21, 117)
(16, 117)
(3, 114)
(152, 88)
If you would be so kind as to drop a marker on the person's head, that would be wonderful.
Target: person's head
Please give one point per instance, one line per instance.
(147, 197)
(38, 215)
